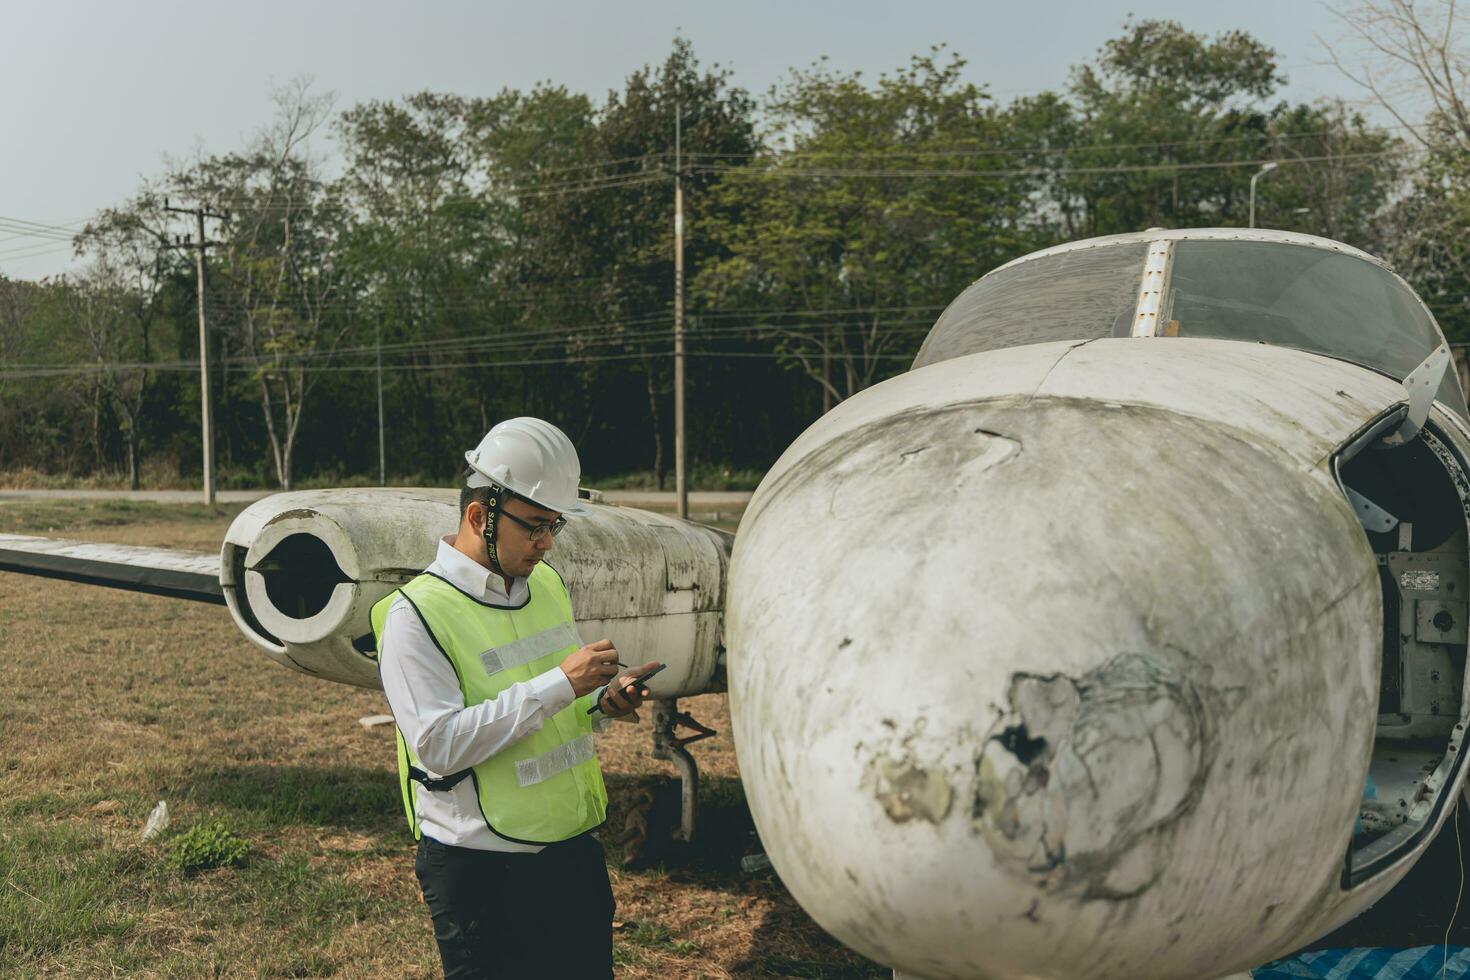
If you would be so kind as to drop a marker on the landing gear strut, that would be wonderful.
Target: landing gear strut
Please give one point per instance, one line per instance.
(643, 833)
(668, 745)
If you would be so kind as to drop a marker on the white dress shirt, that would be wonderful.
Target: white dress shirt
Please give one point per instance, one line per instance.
(428, 706)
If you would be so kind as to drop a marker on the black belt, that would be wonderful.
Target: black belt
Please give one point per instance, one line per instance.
(430, 783)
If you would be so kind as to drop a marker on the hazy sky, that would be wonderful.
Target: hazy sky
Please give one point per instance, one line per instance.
(96, 94)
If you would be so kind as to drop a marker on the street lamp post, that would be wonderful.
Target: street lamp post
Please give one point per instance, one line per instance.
(1266, 168)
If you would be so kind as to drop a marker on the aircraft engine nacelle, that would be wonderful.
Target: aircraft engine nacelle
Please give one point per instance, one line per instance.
(1065, 660)
(301, 571)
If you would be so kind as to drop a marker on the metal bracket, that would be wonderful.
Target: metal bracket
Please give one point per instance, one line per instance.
(683, 720)
(1373, 517)
(1420, 386)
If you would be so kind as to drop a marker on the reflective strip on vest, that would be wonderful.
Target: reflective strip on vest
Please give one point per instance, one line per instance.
(529, 772)
(527, 648)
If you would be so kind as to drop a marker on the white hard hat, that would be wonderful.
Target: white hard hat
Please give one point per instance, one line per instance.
(532, 458)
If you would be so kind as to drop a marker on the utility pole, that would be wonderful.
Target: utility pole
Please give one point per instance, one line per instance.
(826, 369)
(382, 452)
(1266, 168)
(206, 430)
(681, 487)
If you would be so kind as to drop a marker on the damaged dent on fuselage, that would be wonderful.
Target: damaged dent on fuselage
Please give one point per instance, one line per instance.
(1075, 774)
(1079, 771)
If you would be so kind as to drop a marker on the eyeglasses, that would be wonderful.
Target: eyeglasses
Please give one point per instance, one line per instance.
(538, 531)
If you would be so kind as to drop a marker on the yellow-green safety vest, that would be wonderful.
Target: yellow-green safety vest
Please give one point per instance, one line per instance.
(547, 787)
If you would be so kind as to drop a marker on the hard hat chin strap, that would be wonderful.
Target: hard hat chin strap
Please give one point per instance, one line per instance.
(492, 527)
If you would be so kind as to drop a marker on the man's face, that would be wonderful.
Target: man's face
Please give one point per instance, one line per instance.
(517, 552)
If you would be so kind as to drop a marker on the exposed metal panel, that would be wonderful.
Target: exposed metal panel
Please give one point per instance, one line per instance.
(1439, 622)
(157, 571)
(1151, 293)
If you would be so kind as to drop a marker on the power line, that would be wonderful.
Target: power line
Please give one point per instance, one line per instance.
(591, 336)
(188, 366)
(976, 148)
(33, 251)
(39, 226)
(818, 172)
(523, 190)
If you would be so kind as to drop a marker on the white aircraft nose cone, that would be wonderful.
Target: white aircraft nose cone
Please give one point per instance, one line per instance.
(1052, 687)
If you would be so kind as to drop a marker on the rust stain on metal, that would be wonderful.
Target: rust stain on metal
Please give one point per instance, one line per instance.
(299, 513)
(908, 791)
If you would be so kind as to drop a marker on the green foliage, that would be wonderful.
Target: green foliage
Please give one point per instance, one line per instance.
(878, 253)
(211, 844)
(1167, 126)
(513, 254)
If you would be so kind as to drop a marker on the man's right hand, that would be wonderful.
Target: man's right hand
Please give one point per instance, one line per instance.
(591, 667)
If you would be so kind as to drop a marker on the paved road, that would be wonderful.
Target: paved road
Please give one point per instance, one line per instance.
(702, 500)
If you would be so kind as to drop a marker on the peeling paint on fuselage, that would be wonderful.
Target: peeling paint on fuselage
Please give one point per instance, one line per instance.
(1084, 768)
(908, 791)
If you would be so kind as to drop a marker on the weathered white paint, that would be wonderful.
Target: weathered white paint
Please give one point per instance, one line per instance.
(651, 583)
(136, 556)
(1073, 631)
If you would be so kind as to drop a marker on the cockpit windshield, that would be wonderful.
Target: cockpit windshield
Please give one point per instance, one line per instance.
(1308, 298)
(1080, 294)
(1294, 295)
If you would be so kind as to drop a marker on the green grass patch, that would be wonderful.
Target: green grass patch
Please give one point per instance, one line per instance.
(789, 966)
(43, 804)
(276, 797)
(655, 936)
(72, 900)
(61, 885)
(54, 516)
(207, 845)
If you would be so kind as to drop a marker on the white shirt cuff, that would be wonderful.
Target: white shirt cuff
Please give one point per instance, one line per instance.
(552, 689)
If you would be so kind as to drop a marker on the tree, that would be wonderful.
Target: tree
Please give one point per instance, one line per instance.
(278, 261)
(861, 219)
(593, 241)
(1413, 61)
(116, 304)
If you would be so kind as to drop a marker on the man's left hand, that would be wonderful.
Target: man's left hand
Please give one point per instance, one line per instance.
(622, 698)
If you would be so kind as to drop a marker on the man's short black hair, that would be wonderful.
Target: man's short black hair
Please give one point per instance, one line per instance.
(469, 494)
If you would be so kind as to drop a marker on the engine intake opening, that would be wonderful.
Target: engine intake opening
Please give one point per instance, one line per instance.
(300, 575)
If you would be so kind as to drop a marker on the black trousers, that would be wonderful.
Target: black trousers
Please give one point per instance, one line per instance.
(511, 916)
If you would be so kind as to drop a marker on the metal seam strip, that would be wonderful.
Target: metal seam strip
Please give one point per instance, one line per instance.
(1151, 291)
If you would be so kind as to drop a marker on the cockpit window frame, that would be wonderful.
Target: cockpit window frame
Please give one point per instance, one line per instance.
(1155, 278)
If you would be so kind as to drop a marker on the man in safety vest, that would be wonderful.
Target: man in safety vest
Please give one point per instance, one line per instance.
(490, 687)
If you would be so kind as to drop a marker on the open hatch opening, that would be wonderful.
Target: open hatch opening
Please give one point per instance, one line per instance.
(1425, 577)
(300, 573)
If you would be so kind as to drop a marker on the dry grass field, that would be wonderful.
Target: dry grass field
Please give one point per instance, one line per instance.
(114, 701)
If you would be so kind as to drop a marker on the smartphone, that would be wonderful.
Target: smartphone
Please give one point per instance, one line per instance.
(632, 685)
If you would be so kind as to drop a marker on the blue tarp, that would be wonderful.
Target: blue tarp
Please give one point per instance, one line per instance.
(1419, 963)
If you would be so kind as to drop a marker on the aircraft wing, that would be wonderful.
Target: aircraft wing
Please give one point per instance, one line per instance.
(158, 571)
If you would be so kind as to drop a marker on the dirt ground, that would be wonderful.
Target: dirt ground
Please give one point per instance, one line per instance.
(115, 701)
